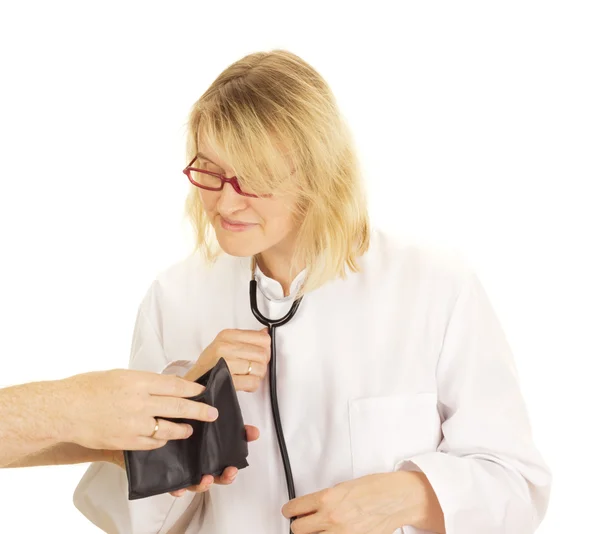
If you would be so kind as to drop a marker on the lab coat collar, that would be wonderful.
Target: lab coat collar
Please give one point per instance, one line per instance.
(271, 288)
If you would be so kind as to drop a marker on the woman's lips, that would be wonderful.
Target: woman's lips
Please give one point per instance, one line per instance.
(235, 226)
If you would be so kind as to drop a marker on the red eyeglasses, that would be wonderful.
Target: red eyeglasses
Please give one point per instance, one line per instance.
(213, 181)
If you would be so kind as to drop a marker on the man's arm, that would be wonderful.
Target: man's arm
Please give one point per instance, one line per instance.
(28, 422)
(84, 417)
(67, 453)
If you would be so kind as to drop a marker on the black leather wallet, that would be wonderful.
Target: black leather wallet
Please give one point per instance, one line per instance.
(208, 451)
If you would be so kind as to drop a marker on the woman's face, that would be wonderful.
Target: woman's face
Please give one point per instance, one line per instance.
(246, 226)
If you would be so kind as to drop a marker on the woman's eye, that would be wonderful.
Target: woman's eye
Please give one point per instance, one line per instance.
(208, 166)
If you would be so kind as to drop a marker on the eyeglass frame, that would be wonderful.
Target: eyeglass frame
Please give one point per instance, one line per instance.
(233, 181)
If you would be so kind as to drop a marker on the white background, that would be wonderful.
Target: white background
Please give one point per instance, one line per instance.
(478, 124)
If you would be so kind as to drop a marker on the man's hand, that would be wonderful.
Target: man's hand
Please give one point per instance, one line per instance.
(119, 409)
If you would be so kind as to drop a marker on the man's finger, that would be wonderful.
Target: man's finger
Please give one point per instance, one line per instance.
(173, 386)
(183, 409)
(147, 444)
(168, 430)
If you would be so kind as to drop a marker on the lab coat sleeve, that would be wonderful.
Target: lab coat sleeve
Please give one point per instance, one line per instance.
(178, 367)
(487, 474)
(102, 493)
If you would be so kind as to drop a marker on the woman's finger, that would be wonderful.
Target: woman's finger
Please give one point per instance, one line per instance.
(259, 338)
(241, 366)
(252, 433)
(247, 383)
(244, 351)
(306, 524)
(227, 477)
(205, 483)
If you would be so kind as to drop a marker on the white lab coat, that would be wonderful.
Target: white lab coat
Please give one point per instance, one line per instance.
(401, 366)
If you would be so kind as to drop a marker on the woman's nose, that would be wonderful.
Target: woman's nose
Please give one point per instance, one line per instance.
(229, 200)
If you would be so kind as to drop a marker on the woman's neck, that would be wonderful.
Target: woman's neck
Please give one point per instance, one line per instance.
(277, 267)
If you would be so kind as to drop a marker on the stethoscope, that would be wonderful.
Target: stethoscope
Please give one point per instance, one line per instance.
(272, 325)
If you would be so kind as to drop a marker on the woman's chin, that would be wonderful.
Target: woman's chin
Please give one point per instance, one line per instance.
(239, 247)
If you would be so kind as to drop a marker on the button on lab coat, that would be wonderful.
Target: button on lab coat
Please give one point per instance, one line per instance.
(401, 366)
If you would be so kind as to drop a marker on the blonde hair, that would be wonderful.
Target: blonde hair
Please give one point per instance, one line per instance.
(268, 112)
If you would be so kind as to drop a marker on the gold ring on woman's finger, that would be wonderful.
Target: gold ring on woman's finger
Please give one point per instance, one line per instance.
(155, 428)
(249, 368)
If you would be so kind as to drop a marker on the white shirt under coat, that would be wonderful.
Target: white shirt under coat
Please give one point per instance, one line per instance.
(401, 366)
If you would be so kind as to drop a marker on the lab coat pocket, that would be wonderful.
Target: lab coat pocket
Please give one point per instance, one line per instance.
(386, 430)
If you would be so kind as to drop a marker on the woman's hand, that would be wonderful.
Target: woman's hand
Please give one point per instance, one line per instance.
(377, 504)
(247, 353)
(226, 478)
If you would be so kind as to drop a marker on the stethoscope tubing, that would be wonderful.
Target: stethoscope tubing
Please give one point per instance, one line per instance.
(272, 325)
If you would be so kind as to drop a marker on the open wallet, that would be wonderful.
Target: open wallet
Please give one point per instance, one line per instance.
(211, 448)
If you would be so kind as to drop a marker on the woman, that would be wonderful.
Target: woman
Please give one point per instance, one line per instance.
(397, 390)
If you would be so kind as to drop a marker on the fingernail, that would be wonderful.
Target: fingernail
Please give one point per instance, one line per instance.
(213, 413)
(190, 430)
